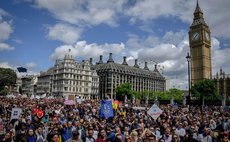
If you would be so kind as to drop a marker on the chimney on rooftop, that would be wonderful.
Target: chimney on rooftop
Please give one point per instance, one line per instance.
(136, 64)
(124, 61)
(91, 61)
(100, 60)
(110, 60)
(146, 66)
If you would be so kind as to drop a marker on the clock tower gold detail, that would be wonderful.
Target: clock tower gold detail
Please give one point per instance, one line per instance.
(200, 47)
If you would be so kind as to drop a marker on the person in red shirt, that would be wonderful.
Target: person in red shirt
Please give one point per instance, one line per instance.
(102, 136)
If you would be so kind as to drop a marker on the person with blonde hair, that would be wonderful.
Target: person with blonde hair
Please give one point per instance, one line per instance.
(134, 137)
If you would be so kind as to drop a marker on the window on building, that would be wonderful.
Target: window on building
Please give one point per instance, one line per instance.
(65, 88)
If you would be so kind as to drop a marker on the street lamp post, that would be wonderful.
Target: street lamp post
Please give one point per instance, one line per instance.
(188, 57)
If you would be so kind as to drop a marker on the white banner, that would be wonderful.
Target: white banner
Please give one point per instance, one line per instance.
(15, 113)
(154, 112)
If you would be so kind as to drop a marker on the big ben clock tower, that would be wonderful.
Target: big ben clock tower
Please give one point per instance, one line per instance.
(200, 47)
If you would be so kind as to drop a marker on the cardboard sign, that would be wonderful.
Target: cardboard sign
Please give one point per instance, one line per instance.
(15, 113)
(154, 112)
(71, 97)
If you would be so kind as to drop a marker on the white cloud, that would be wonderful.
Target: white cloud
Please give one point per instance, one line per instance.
(149, 10)
(170, 53)
(4, 47)
(174, 37)
(31, 65)
(5, 65)
(64, 32)
(220, 57)
(5, 29)
(3, 13)
(215, 12)
(18, 41)
(85, 50)
(83, 12)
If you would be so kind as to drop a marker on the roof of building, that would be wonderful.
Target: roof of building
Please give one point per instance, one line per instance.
(46, 73)
(126, 69)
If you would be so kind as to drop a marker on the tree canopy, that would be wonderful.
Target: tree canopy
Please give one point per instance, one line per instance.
(124, 90)
(205, 87)
(8, 78)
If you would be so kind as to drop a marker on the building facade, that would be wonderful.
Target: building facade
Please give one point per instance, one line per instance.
(200, 47)
(29, 84)
(45, 83)
(74, 78)
(112, 74)
(222, 82)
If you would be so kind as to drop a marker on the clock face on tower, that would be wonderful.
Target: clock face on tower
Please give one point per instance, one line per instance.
(207, 36)
(195, 36)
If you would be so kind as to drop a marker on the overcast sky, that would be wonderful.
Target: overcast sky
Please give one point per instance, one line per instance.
(34, 33)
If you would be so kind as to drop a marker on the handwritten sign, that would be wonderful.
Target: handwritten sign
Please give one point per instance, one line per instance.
(154, 112)
(15, 113)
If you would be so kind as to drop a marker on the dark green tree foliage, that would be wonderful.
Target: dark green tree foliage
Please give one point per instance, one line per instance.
(205, 88)
(124, 89)
(175, 93)
(7, 78)
(136, 94)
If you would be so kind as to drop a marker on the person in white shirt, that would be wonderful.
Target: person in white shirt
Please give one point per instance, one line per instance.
(167, 136)
(180, 131)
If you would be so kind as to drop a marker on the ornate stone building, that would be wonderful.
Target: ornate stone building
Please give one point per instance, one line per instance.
(44, 84)
(74, 78)
(200, 47)
(29, 84)
(222, 82)
(112, 74)
(69, 77)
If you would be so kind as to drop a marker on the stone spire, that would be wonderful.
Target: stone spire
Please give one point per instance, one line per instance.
(198, 16)
(221, 71)
(91, 61)
(198, 10)
(124, 61)
(68, 55)
(156, 70)
(110, 60)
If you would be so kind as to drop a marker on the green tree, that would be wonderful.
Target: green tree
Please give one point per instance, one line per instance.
(145, 94)
(174, 93)
(161, 95)
(136, 94)
(7, 79)
(124, 90)
(204, 89)
(152, 95)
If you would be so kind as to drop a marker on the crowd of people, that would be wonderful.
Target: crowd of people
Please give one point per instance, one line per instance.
(50, 120)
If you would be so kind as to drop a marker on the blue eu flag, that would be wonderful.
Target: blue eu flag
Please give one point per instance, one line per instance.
(106, 110)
